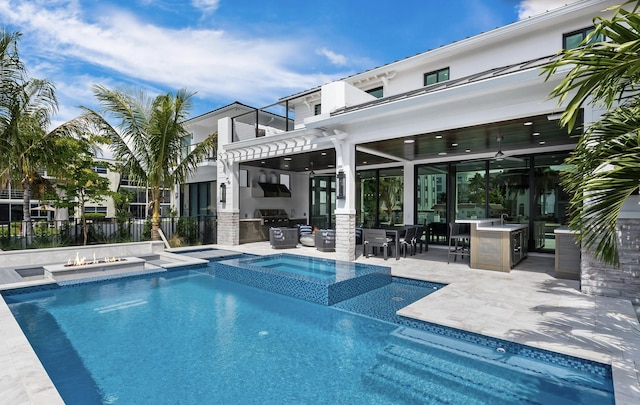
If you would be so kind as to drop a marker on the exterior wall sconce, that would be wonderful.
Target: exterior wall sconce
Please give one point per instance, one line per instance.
(340, 176)
(223, 193)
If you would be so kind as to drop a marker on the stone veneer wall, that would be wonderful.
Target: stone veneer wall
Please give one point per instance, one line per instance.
(228, 228)
(620, 282)
(346, 237)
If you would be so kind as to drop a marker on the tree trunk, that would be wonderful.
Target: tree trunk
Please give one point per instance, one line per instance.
(85, 233)
(27, 226)
(155, 216)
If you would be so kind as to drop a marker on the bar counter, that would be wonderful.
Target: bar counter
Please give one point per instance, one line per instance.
(494, 245)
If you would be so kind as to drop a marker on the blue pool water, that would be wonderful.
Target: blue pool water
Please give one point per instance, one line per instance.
(187, 337)
(306, 266)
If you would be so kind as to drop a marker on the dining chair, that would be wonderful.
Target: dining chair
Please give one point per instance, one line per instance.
(422, 239)
(376, 238)
(458, 234)
(407, 242)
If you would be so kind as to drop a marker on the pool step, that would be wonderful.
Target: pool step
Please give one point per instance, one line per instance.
(436, 371)
(402, 386)
(497, 365)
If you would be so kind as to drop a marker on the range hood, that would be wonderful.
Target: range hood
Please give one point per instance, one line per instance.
(270, 190)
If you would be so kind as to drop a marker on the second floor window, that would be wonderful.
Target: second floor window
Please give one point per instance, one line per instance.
(100, 169)
(436, 76)
(377, 92)
(317, 109)
(574, 39)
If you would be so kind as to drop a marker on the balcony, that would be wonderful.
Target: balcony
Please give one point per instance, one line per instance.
(261, 122)
(6, 194)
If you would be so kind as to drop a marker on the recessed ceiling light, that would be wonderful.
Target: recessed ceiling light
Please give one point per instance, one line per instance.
(409, 140)
(535, 133)
(364, 162)
(324, 153)
(542, 142)
(330, 166)
(467, 150)
(528, 123)
(287, 158)
(442, 153)
(286, 166)
(263, 162)
(454, 144)
(438, 136)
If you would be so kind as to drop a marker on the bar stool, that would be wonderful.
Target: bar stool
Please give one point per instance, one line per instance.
(456, 234)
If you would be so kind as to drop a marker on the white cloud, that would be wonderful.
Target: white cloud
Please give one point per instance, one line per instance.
(208, 6)
(334, 58)
(530, 8)
(215, 63)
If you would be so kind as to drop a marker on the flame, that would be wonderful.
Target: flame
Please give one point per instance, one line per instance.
(81, 261)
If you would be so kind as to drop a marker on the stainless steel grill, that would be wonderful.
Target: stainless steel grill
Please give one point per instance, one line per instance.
(277, 218)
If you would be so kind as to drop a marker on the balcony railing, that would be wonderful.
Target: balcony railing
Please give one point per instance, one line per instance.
(7, 194)
(262, 122)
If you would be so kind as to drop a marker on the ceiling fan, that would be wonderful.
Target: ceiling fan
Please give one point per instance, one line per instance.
(499, 156)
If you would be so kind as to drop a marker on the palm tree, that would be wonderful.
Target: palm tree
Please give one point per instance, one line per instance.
(149, 139)
(606, 162)
(26, 106)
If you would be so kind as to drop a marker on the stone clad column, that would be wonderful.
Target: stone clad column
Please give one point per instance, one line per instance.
(228, 171)
(346, 236)
(345, 208)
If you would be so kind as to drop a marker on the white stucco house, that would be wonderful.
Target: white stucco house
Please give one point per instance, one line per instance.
(464, 131)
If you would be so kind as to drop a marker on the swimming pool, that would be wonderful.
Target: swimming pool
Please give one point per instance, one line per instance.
(190, 337)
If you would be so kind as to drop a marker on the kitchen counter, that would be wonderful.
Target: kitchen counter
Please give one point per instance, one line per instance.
(494, 245)
(251, 230)
(502, 228)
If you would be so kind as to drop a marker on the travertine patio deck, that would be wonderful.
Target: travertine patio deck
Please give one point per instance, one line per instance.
(527, 305)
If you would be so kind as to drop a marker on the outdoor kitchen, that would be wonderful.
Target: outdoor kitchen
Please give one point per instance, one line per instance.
(257, 228)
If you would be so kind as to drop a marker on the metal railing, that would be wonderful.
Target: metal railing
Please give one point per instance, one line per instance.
(7, 194)
(261, 122)
(181, 231)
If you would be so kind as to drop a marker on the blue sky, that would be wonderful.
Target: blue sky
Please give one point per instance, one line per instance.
(252, 51)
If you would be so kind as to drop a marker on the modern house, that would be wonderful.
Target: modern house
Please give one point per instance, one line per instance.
(463, 131)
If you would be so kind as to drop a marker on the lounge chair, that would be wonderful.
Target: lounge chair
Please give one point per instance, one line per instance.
(325, 240)
(283, 238)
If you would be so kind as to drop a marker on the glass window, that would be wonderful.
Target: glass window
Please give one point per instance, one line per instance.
(323, 200)
(317, 109)
(100, 169)
(551, 203)
(436, 76)
(431, 194)
(431, 200)
(367, 191)
(200, 201)
(470, 190)
(574, 39)
(391, 192)
(98, 210)
(185, 144)
(380, 197)
(509, 190)
(377, 92)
